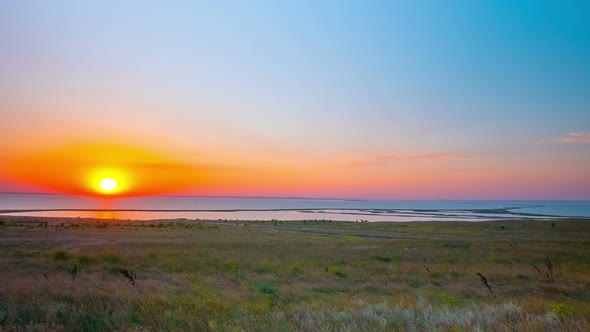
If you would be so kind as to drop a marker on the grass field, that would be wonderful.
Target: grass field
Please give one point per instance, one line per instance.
(293, 276)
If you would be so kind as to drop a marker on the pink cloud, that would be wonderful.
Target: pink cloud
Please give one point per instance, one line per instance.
(569, 138)
(385, 158)
(575, 138)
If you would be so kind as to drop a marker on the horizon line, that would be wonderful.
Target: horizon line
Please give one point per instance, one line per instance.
(293, 197)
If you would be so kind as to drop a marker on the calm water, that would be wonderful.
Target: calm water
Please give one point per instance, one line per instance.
(288, 208)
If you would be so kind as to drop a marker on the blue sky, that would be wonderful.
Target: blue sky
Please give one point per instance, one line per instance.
(494, 81)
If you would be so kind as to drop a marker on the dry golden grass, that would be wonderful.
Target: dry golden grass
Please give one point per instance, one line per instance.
(74, 274)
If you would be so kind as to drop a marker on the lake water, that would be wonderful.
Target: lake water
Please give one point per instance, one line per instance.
(241, 208)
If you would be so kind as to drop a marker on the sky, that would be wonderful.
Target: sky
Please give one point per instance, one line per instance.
(346, 99)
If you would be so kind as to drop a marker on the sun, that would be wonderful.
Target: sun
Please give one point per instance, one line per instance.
(108, 184)
(108, 181)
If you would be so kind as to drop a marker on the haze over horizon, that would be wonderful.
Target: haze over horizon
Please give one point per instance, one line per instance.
(336, 99)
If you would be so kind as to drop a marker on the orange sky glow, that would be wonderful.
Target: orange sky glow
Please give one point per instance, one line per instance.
(78, 169)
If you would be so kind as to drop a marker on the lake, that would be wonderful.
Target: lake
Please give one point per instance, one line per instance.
(256, 208)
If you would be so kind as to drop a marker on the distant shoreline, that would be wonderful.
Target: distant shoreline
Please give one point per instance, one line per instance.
(354, 215)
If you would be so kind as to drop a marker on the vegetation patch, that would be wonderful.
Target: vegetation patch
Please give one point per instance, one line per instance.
(60, 255)
(562, 310)
(83, 260)
(268, 289)
(336, 271)
(457, 245)
(388, 258)
(445, 298)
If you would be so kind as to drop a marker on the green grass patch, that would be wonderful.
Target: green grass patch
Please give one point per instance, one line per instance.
(445, 298)
(337, 271)
(268, 289)
(83, 260)
(388, 258)
(562, 310)
(60, 255)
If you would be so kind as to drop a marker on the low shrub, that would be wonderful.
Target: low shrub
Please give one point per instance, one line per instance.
(60, 255)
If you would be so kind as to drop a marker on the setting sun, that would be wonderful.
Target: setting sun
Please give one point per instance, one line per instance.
(109, 181)
(108, 184)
